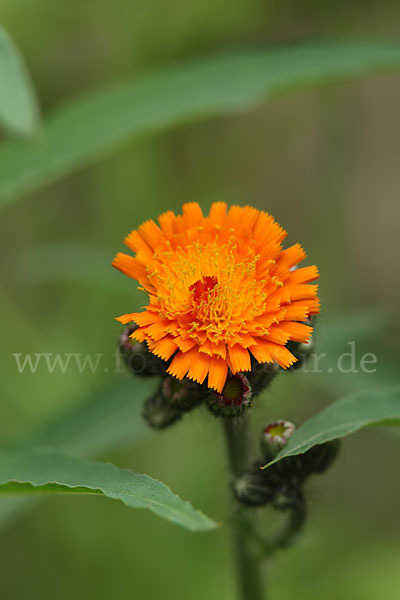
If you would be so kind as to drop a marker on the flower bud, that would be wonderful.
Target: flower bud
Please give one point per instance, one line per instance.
(159, 413)
(289, 496)
(181, 394)
(275, 437)
(137, 357)
(256, 487)
(234, 399)
(320, 457)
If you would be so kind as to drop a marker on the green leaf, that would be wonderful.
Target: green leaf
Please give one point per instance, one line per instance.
(43, 471)
(91, 127)
(343, 417)
(19, 112)
(104, 420)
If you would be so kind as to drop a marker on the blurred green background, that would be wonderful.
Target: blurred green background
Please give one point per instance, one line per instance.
(325, 164)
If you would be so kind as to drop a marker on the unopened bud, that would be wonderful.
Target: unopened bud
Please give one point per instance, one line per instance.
(159, 413)
(256, 487)
(275, 437)
(137, 357)
(234, 398)
(181, 394)
(289, 496)
(320, 457)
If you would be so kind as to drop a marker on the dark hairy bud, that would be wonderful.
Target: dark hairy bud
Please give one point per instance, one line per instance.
(181, 394)
(256, 487)
(159, 413)
(319, 458)
(288, 495)
(137, 357)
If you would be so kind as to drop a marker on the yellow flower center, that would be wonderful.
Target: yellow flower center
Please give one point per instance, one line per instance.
(215, 286)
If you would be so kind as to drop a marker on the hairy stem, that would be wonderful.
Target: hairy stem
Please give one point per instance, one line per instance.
(247, 566)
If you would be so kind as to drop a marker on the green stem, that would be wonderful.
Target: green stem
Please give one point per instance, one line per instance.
(247, 566)
(295, 523)
(284, 538)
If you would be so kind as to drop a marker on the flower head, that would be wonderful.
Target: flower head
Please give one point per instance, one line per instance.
(221, 289)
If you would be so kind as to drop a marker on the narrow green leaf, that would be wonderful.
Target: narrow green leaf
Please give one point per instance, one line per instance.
(93, 126)
(19, 112)
(343, 417)
(49, 472)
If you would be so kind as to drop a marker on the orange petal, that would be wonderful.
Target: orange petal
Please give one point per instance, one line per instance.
(267, 228)
(282, 355)
(124, 319)
(278, 335)
(185, 344)
(298, 332)
(268, 352)
(165, 348)
(138, 335)
(246, 340)
(211, 348)
(303, 292)
(217, 374)
(218, 213)
(313, 305)
(130, 266)
(167, 222)
(261, 353)
(296, 312)
(289, 258)
(157, 330)
(151, 233)
(199, 366)
(240, 358)
(218, 348)
(181, 363)
(135, 242)
(145, 318)
(192, 214)
(304, 275)
(242, 217)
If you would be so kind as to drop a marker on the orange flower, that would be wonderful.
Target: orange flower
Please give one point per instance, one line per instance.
(221, 288)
